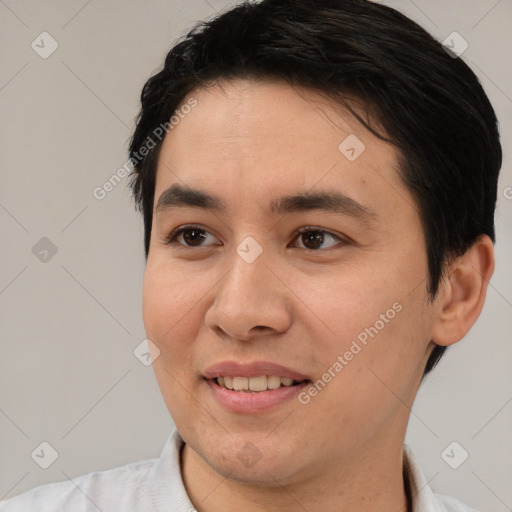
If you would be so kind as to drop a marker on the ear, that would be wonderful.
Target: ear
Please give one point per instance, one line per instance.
(462, 292)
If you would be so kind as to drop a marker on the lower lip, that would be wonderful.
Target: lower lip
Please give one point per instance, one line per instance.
(251, 402)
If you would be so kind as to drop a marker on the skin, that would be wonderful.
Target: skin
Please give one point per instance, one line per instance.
(249, 142)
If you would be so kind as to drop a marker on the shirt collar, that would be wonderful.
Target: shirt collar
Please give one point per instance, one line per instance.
(423, 499)
(169, 473)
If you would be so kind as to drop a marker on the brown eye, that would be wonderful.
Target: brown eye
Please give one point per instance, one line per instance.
(189, 236)
(313, 239)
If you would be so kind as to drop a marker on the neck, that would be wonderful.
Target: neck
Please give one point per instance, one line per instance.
(369, 479)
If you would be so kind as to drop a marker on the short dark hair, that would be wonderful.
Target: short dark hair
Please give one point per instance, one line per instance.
(428, 103)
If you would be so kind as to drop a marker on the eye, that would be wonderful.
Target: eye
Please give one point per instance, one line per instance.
(194, 236)
(189, 236)
(314, 238)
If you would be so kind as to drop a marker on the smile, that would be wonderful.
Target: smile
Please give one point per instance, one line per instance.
(254, 384)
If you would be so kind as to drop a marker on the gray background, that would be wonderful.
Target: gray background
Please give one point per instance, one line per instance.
(70, 324)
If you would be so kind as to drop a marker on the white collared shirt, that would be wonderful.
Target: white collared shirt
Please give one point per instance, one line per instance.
(155, 485)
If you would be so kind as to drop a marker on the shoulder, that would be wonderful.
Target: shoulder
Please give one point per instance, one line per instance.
(449, 504)
(424, 499)
(111, 489)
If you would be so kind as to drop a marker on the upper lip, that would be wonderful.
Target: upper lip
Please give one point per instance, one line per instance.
(254, 369)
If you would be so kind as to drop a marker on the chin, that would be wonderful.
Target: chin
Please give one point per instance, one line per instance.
(263, 473)
(254, 462)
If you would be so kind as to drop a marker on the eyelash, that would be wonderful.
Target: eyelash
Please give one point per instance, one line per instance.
(172, 238)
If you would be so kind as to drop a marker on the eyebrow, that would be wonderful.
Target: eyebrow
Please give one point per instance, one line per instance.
(324, 201)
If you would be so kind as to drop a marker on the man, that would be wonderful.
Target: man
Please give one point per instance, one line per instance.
(319, 228)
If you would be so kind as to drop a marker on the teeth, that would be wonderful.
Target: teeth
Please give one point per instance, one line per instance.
(273, 382)
(261, 383)
(240, 383)
(258, 383)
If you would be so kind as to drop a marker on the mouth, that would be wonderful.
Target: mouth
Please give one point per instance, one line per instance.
(254, 387)
(255, 384)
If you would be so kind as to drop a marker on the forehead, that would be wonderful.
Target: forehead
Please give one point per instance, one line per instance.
(254, 140)
(263, 115)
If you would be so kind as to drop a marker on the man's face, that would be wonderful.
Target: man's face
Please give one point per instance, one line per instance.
(341, 308)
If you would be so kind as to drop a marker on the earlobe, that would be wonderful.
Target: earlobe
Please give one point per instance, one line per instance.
(463, 292)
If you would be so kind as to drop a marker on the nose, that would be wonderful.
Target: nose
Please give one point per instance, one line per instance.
(251, 300)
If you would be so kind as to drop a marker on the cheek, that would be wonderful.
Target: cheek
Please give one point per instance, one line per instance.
(371, 333)
(171, 322)
(342, 303)
(170, 301)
